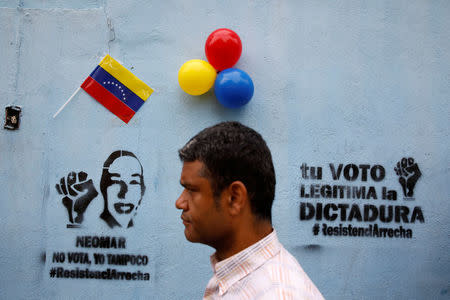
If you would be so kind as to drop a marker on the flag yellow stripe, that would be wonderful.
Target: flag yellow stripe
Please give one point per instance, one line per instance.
(130, 80)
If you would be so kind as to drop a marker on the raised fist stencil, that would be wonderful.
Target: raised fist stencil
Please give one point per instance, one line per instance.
(78, 192)
(408, 173)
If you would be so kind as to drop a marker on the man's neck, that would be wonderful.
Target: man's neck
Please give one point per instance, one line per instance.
(243, 238)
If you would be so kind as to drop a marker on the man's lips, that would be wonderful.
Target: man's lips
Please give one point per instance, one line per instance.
(185, 220)
(123, 208)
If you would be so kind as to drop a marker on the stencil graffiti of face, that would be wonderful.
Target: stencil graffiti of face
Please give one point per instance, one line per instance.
(124, 193)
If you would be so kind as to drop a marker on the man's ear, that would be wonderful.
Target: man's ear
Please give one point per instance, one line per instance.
(237, 198)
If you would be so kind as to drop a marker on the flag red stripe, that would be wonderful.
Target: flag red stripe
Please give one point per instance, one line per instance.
(107, 99)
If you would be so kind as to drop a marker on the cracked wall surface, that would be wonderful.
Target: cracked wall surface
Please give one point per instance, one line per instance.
(335, 82)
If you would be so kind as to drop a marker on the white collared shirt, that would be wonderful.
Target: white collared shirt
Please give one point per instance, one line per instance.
(265, 270)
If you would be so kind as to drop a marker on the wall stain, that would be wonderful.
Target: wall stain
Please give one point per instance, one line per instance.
(309, 248)
(312, 247)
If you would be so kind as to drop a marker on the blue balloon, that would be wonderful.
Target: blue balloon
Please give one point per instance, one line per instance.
(233, 88)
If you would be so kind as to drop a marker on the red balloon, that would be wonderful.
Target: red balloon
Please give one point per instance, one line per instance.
(223, 48)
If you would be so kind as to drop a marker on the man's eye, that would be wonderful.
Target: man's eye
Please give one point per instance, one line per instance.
(134, 182)
(191, 190)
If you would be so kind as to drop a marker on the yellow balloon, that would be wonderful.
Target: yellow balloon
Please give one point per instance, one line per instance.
(196, 77)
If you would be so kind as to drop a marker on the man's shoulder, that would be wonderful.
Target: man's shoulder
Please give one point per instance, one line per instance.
(285, 262)
(288, 279)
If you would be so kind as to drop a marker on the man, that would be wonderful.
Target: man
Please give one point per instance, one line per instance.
(122, 187)
(229, 186)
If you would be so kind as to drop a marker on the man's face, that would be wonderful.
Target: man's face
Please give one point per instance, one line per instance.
(204, 221)
(125, 191)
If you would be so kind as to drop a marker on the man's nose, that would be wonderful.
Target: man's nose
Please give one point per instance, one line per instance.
(181, 202)
(123, 189)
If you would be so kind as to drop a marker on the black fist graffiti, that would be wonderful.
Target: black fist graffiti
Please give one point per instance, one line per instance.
(78, 193)
(408, 172)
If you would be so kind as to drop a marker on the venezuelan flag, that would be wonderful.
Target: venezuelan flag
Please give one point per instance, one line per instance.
(116, 88)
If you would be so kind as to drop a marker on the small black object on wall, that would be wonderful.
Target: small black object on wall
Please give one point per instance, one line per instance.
(12, 117)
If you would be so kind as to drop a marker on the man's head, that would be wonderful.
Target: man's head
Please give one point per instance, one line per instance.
(122, 186)
(229, 157)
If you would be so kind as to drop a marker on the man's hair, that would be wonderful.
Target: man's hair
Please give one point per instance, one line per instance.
(231, 152)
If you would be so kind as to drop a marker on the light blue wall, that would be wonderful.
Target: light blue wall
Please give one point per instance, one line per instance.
(363, 82)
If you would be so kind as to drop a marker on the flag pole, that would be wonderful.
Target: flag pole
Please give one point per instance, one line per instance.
(67, 102)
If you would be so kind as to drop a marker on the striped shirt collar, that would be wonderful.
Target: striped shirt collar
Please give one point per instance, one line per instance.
(231, 270)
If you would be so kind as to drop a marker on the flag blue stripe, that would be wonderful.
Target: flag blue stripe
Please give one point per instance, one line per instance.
(118, 89)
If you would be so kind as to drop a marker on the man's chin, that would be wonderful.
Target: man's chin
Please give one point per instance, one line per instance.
(191, 238)
(123, 220)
